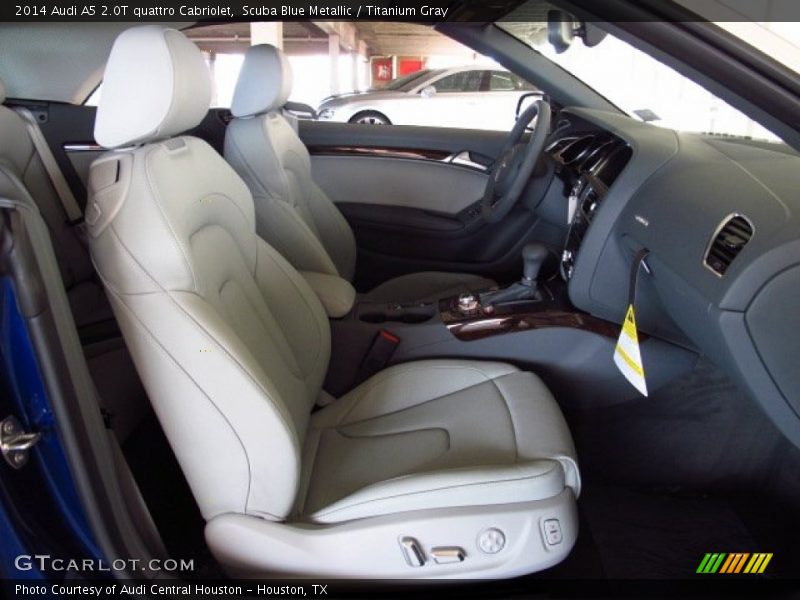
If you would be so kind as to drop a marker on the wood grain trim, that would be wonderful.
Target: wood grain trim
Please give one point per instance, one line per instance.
(380, 151)
(481, 326)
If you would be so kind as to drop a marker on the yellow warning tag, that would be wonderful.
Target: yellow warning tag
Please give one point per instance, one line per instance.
(627, 356)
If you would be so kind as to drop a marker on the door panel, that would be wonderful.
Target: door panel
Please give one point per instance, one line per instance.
(424, 184)
(409, 208)
(487, 143)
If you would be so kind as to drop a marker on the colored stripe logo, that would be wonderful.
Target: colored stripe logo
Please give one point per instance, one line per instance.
(735, 562)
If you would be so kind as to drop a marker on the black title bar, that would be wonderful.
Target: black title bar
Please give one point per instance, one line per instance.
(422, 11)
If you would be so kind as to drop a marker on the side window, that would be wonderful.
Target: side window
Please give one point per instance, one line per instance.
(522, 85)
(465, 81)
(502, 81)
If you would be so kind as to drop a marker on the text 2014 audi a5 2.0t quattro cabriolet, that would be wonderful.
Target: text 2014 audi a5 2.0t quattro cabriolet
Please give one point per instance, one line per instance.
(237, 345)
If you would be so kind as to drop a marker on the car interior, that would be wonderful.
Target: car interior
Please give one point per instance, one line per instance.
(340, 350)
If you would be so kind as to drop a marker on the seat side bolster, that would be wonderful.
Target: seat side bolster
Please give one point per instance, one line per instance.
(474, 486)
(546, 434)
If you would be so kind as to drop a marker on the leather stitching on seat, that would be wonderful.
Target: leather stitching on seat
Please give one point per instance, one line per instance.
(290, 276)
(294, 368)
(285, 419)
(510, 415)
(307, 474)
(246, 163)
(389, 373)
(157, 202)
(164, 351)
(327, 513)
(352, 436)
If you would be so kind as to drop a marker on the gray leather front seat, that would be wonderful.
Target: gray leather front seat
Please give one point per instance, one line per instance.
(292, 213)
(439, 468)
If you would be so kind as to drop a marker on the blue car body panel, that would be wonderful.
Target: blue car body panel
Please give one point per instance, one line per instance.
(26, 398)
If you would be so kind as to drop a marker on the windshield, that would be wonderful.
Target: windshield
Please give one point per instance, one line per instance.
(640, 85)
(405, 83)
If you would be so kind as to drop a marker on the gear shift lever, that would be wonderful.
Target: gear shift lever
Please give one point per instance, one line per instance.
(533, 257)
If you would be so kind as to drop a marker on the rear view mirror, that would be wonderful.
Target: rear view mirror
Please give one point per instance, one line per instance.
(428, 92)
(562, 29)
(591, 34)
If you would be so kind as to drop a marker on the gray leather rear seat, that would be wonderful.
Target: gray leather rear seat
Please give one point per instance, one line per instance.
(23, 173)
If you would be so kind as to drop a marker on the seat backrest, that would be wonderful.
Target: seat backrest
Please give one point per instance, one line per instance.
(292, 213)
(230, 342)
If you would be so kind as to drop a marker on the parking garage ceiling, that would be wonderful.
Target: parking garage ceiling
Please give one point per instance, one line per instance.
(381, 38)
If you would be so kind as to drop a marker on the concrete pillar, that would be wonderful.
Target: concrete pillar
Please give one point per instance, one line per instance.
(333, 54)
(354, 74)
(212, 69)
(361, 69)
(267, 33)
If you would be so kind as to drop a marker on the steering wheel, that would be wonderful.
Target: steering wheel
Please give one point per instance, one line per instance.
(515, 163)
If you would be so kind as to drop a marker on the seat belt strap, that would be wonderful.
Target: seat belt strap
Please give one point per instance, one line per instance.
(377, 357)
(65, 195)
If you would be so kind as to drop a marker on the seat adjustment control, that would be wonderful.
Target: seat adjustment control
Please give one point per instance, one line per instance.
(448, 555)
(412, 552)
(552, 532)
(491, 541)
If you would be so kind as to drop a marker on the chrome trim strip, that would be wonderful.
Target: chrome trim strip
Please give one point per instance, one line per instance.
(83, 148)
(464, 159)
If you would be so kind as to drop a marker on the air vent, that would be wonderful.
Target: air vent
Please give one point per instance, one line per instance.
(733, 234)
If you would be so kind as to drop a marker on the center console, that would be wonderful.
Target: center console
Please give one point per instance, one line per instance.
(467, 319)
(455, 326)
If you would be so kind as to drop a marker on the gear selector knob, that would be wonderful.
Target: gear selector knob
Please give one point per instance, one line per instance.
(533, 257)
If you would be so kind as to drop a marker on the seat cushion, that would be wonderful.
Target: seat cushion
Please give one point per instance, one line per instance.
(426, 286)
(434, 434)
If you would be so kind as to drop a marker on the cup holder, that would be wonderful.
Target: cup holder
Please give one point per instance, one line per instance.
(410, 315)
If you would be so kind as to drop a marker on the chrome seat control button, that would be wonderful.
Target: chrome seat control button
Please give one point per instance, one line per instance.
(448, 555)
(412, 552)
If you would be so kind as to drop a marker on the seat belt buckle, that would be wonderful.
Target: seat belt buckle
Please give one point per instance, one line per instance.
(378, 356)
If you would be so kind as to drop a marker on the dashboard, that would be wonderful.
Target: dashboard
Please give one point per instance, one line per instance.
(588, 164)
(720, 220)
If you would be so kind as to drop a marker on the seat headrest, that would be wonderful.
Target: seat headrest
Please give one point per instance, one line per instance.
(156, 85)
(2, 92)
(265, 82)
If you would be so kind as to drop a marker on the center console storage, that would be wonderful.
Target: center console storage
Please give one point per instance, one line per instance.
(378, 313)
(527, 323)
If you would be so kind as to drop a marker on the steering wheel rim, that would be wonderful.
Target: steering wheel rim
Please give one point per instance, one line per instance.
(501, 194)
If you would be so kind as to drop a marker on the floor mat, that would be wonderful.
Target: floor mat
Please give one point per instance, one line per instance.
(659, 535)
